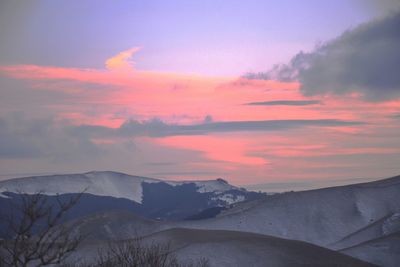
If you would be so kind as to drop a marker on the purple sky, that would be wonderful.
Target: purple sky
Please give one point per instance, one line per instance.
(206, 37)
(188, 89)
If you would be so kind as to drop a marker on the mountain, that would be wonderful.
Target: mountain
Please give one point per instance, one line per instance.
(113, 225)
(235, 249)
(360, 220)
(336, 217)
(229, 248)
(148, 197)
(383, 251)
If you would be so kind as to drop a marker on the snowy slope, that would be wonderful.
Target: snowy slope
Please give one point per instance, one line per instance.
(107, 183)
(97, 183)
(383, 227)
(360, 220)
(113, 225)
(147, 197)
(384, 251)
(322, 217)
(236, 249)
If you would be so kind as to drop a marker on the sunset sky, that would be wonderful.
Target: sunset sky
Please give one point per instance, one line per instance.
(255, 92)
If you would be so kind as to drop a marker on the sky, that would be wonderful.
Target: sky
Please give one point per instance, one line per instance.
(256, 92)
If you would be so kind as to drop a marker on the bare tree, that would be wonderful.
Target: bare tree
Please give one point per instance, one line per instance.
(133, 253)
(37, 237)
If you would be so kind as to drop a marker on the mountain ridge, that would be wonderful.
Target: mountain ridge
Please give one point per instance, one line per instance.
(148, 197)
(102, 183)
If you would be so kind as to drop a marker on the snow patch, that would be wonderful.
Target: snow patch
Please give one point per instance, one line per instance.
(229, 198)
(208, 186)
(391, 224)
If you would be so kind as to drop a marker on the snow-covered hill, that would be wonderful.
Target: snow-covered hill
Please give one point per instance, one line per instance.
(384, 251)
(324, 217)
(113, 225)
(152, 198)
(234, 249)
(361, 220)
(105, 183)
(237, 249)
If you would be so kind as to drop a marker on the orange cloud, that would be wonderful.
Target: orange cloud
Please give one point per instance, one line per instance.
(121, 61)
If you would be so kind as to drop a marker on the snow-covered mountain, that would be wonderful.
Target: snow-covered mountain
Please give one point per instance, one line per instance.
(383, 251)
(360, 220)
(148, 197)
(336, 217)
(106, 183)
(235, 249)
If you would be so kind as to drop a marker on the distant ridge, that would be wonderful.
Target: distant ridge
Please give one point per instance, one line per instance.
(147, 197)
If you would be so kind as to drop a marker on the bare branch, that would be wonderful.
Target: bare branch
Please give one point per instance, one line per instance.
(38, 238)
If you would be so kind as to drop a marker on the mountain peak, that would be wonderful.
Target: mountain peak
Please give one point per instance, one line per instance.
(222, 180)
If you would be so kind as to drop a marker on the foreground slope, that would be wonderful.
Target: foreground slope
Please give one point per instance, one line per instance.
(229, 248)
(113, 225)
(323, 217)
(360, 220)
(384, 251)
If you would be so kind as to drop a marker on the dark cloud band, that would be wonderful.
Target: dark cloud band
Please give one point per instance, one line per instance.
(157, 128)
(23, 138)
(285, 103)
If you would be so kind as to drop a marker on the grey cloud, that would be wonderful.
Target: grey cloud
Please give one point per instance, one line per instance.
(381, 6)
(157, 128)
(161, 163)
(30, 145)
(283, 72)
(188, 173)
(285, 103)
(365, 59)
(395, 116)
(26, 138)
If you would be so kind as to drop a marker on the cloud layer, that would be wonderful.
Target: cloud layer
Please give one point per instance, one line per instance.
(364, 60)
(147, 122)
(158, 128)
(36, 138)
(285, 103)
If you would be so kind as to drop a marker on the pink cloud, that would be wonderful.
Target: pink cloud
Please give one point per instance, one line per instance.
(187, 99)
(232, 149)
